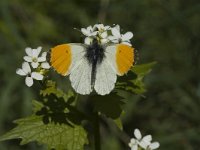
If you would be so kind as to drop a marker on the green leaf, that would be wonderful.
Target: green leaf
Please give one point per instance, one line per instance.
(110, 105)
(51, 88)
(133, 81)
(36, 106)
(55, 136)
(118, 122)
(143, 69)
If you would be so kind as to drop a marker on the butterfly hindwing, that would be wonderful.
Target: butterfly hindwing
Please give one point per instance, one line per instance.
(80, 77)
(105, 78)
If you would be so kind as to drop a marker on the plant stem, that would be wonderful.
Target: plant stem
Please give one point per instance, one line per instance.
(97, 139)
(76, 97)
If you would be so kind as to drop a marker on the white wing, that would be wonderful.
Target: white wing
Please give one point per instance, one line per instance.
(80, 77)
(105, 77)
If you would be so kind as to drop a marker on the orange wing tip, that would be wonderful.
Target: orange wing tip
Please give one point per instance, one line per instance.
(61, 58)
(124, 58)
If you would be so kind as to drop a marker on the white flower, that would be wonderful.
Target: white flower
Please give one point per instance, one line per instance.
(144, 142)
(101, 28)
(117, 37)
(89, 31)
(26, 71)
(34, 59)
(98, 31)
(102, 32)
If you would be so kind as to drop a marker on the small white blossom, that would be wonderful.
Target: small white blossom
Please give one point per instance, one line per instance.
(144, 142)
(34, 58)
(98, 31)
(89, 31)
(102, 33)
(117, 37)
(26, 71)
(101, 27)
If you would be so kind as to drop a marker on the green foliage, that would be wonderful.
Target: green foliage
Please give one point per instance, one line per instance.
(54, 136)
(51, 88)
(133, 81)
(103, 104)
(51, 122)
(56, 121)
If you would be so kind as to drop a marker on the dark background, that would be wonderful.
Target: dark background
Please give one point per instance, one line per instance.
(166, 31)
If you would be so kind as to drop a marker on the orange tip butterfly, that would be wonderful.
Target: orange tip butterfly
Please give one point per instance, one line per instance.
(93, 66)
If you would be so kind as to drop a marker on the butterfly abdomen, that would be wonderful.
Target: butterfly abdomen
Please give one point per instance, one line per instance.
(94, 55)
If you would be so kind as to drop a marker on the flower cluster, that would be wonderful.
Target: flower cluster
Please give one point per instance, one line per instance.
(140, 142)
(106, 34)
(34, 66)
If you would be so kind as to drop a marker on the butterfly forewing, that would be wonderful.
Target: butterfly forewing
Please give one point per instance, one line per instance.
(65, 56)
(121, 57)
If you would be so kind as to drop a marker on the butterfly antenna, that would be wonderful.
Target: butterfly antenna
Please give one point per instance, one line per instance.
(77, 29)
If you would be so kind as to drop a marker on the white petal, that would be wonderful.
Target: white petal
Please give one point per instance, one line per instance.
(28, 51)
(88, 40)
(93, 33)
(147, 138)
(137, 134)
(99, 26)
(85, 32)
(106, 27)
(104, 34)
(29, 81)
(104, 41)
(112, 38)
(41, 59)
(154, 145)
(34, 64)
(117, 27)
(39, 49)
(116, 33)
(135, 147)
(45, 65)
(20, 72)
(28, 58)
(44, 54)
(127, 36)
(115, 41)
(127, 43)
(26, 67)
(37, 76)
(144, 144)
(133, 141)
(36, 52)
(89, 28)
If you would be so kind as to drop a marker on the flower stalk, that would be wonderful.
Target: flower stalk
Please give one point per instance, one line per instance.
(97, 136)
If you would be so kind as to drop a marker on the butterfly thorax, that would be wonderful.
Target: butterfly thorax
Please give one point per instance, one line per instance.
(94, 55)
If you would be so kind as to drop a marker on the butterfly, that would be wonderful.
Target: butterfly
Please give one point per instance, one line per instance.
(93, 66)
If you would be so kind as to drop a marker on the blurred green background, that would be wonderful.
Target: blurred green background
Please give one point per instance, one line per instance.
(166, 31)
